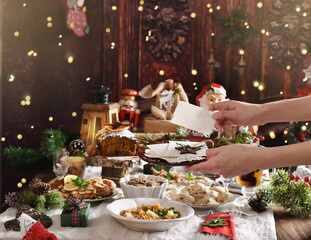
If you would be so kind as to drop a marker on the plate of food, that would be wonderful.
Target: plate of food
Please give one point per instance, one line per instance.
(174, 152)
(149, 214)
(100, 198)
(93, 189)
(198, 195)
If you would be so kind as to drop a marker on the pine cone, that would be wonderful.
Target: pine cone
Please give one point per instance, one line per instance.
(12, 198)
(257, 204)
(41, 188)
(34, 181)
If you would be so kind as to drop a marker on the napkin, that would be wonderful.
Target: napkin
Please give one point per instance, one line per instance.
(227, 231)
(193, 117)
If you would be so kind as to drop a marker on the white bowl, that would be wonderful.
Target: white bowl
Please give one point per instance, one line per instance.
(117, 206)
(131, 191)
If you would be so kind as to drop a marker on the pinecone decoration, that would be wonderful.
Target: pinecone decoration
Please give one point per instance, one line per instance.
(34, 181)
(257, 204)
(11, 199)
(40, 188)
(76, 146)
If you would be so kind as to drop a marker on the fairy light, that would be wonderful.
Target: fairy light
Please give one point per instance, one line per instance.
(23, 102)
(141, 2)
(210, 10)
(147, 38)
(60, 36)
(108, 30)
(140, 8)
(30, 52)
(218, 7)
(303, 128)
(304, 51)
(50, 119)
(156, 7)
(241, 52)
(19, 185)
(16, 33)
(161, 72)
(288, 67)
(70, 59)
(263, 31)
(208, 5)
(243, 92)
(194, 84)
(149, 33)
(259, 4)
(32, 127)
(298, 9)
(267, 34)
(126, 75)
(261, 87)
(285, 141)
(256, 84)
(246, 23)
(60, 44)
(114, 8)
(11, 78)
(193, 15)
(195, 88)
(27, 102)
(285, 132)
(281, 92)
(49, 19)
(19, 136)
(27, 98)
(23, 180)
(306, 123)
(49, 24)
(74, 114)
(88, 79)
(272, 134)
(112, 45)
(194, 72)
(3, 139)
(212, 34)
(271, 57)
(35, 54)
(24, 4)
(304, 14)
(247, 27)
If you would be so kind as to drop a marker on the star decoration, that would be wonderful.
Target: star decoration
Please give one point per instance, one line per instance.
(308, 74)
(188, 149)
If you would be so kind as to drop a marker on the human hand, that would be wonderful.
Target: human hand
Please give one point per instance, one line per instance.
(231, 160)
(235, 113)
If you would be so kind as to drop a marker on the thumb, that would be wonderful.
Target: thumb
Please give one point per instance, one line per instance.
(212, 152)
(204, 165)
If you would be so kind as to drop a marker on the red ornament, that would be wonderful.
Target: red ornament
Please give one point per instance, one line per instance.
(307, 179)
(302, 136)
(292, 176)
(261, 138)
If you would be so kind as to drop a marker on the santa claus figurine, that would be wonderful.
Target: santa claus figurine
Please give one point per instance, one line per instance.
(128, 107)
(211, 93)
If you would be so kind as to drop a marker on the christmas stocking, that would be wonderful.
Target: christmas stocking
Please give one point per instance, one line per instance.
(76, 17)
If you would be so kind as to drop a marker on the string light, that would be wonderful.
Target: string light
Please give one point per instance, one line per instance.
(267, 34)
(24, 4)
(281, 92)
(19, 136)
(272, 134)
(114, 8)
(271, 57)
(60, 36)
(50, 119)
(126, 75)
(304, 14)
(107, 30)
(19, 185)
(156, 7)
(140, 8)
(208, 5)
(298, 9)
(193, 15)
(49, 24)
(16, 33)
(288, 67)
(23, 102)
(74, 114)
(32, 127)
(161, 72)
(241, 52)
(23, 180)
(49, 19)
(60, 44)
(88, 79)
(3, 139)
(263, 31)
(70, 59)
(256, 84)
(11, 78)
(306, 123)
(259, 4)
(285, 132)
(303, 128)
(194, 72)
(196, 88)
(260, 87)
(243, 92)
(194, 84)
(141, 2)
(218, 7)
(285, 141)
(113, 45)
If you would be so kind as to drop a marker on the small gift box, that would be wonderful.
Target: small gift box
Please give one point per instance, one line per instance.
(219, 223)
(75, 213)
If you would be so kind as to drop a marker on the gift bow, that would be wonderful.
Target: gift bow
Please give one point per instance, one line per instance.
(75, 205)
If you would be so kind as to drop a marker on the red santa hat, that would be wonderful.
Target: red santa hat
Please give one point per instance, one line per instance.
(212, 87)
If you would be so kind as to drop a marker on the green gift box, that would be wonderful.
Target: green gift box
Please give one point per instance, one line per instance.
(78, 220)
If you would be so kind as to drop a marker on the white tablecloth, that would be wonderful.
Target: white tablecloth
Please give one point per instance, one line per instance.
(101, 225)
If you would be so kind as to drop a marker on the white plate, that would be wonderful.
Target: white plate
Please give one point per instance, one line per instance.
(117, 206)
(114, 193)
(207, 207)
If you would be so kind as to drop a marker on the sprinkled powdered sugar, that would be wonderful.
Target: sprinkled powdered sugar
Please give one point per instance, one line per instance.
(103, 134)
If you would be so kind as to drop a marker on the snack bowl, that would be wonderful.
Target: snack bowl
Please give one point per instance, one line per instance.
(131, 191)
(117, 206)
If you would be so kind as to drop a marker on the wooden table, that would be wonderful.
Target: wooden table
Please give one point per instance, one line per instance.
(291, 227)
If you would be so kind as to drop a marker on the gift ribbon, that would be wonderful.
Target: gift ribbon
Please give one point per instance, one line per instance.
(75, 205)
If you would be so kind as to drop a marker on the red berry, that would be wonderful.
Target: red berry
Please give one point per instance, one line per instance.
(261, 138)
(298, 178)
(307, 185)
(217, 176)
(255, 139)
(307, 179)
(292, 176)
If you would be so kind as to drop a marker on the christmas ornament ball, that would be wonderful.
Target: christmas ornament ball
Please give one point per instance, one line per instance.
(76, 146)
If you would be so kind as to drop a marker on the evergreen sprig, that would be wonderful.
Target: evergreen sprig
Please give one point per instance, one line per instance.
(292, 195)
(52, 140)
